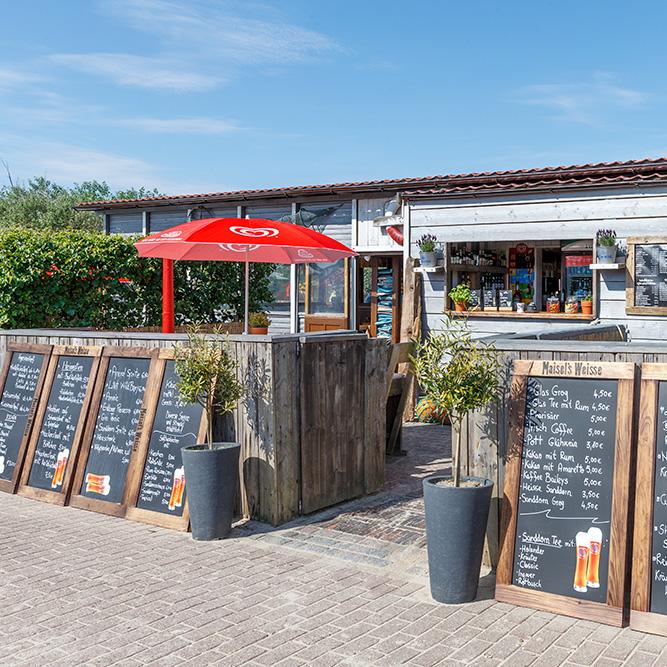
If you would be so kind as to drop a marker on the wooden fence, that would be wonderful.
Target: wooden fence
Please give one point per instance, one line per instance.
(311, 423)
(485, 432)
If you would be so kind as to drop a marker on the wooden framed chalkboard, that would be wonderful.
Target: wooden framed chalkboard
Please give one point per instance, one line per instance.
(648, 602)
(59, 423)
(125, 383)
(21, 384)
(157, 490)
(566, 496)
(646, 276)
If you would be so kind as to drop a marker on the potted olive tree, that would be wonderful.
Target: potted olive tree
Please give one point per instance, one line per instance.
(207, 374)
(606, 246)
(460, 295)
(259, 323)
(458, 375)
(427, 256)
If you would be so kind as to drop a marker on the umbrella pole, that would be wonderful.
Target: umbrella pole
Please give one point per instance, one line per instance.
(247, 295)
(167, 296)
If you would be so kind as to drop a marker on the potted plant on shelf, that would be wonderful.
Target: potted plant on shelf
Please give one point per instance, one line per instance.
(587, 305)
(460, 295)
(458, 375)
(259, 323)
(427, 255)
(207, 374)
(606, 246)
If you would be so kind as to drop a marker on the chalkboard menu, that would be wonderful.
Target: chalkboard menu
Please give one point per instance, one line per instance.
(59, 423)
(23, 376)
(565, 491)
(651, 276)
(111, 435)
(565, 530)
(649, 560)
(174, 425)
(646, 292)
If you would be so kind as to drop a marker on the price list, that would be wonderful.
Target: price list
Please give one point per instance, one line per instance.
(115, 429)
(176, 425)
(63, 409)
(15, 404)
(651, 276)
(565, 492)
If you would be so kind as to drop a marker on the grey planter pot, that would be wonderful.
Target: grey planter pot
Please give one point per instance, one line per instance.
(211, 478)
(427, 258)
(455, 528)
(606, 254)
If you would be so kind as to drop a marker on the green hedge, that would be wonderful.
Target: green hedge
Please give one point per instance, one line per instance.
(83, 279)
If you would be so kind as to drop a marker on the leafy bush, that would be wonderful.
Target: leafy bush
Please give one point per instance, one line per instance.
(207, 375)
(84, 279)
(458, 375)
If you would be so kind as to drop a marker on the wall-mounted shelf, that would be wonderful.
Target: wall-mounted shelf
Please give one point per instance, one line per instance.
(430, 269)
(607, 267)
(474, 268)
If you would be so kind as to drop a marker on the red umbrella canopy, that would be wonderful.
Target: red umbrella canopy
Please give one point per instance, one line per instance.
(243, 240)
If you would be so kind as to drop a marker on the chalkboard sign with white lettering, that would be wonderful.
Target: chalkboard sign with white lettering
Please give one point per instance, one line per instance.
(646, 276)
(565, 528)
(59, 423)
(22, 379)
(116, 417)
(565, 494)
(161, 495)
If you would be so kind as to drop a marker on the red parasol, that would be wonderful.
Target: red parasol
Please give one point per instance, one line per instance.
(237, 240)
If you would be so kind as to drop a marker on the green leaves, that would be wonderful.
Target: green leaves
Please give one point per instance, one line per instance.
(208, 375)
(457, 373)
(83, 279)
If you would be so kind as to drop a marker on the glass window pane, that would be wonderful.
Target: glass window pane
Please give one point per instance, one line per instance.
(279, 285)
(326, 288)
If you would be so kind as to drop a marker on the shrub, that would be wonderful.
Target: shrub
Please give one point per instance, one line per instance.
(85, 279)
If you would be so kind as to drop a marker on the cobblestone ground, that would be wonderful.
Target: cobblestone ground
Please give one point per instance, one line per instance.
(345, 587)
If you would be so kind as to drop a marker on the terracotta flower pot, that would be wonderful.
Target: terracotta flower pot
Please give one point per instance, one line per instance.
(460, 306)
(587, 307)
(258, 331)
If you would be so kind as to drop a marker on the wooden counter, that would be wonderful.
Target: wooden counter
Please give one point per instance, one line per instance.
(528, 316)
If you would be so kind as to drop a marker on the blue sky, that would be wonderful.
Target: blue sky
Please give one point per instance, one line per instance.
(196, 96)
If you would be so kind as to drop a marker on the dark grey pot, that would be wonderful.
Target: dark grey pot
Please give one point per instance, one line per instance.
(211, 477)
(455, 528)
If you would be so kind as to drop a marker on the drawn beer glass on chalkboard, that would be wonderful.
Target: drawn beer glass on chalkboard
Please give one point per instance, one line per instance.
(593, 571)
(582, 546)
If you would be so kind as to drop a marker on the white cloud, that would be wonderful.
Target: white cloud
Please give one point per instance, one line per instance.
(585, 103)
(65, 163)
(15, 78)
(188, 125)
(139, 71)
(214, 29)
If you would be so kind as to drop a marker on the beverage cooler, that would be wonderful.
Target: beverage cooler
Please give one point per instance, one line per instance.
(578, 275)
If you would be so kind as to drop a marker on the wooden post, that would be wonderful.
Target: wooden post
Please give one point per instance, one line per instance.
(410, 328)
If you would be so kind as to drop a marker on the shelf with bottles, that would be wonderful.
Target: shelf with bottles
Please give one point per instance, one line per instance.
(470, 257)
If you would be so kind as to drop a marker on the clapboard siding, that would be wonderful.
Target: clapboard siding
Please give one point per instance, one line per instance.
(370, 236)
(161, 220)
(126, 223)
(544, 217)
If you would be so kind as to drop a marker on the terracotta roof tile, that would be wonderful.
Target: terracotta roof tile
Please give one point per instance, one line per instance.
(584, 175)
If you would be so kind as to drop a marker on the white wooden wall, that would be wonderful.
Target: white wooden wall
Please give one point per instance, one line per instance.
(370, 237)
(549, 216)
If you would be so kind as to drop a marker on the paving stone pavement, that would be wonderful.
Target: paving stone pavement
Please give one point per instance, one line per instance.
(80, 588)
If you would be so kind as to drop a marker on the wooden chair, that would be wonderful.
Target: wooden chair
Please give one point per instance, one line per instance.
(398, 390)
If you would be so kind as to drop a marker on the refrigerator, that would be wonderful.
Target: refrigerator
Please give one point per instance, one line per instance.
(578, 275)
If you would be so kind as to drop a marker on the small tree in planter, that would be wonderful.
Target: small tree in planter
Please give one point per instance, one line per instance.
(606, 246)
(427, 250)
(458, 375)
(461, 296)
(207, 374)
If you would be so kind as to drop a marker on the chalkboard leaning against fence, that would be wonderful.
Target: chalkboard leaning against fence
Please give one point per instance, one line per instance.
(566, 497)
(59, 423)
(126, 382)
(21, 385)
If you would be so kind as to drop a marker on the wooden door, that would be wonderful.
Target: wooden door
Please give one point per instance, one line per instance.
(332, 435)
